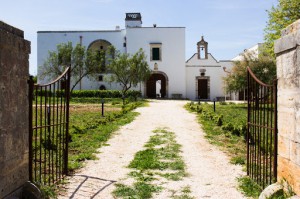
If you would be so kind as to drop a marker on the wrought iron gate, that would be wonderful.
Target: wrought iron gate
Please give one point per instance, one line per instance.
(262, 130)
(49, 129)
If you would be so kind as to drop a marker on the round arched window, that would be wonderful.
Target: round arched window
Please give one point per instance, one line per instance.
(100, 47)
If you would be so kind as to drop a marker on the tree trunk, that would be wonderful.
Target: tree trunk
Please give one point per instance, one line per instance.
(73, 87)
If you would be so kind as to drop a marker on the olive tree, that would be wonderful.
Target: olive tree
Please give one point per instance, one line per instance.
(264, 67)
(83, 63)
(128, 70)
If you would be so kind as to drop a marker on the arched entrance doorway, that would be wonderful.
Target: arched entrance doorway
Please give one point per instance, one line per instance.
(156, 86)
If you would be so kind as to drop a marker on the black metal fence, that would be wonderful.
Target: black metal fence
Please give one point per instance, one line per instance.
(262, 131)
(49, 128)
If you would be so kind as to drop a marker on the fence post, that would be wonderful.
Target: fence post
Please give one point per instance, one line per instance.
(67, 90)
(30, 99)
(214, 105)
(49, 118)
(102, 102)
(248, 120)
(275, 129)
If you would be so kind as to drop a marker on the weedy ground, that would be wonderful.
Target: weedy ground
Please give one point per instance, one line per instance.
(159, 160)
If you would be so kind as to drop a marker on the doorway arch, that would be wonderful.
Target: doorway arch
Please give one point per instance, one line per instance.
(157, 85)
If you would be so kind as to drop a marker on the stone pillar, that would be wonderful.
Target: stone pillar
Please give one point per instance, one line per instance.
(14, 72)
(287, 50)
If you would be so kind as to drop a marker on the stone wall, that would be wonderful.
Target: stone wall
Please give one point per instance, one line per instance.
(287, 50)
(14, 71)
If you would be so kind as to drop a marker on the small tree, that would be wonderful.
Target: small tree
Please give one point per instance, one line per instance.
(128, 70)
(84, 63)
(264, 67)
(285, 13)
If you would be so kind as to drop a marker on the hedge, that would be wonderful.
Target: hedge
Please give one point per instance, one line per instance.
(93, 93)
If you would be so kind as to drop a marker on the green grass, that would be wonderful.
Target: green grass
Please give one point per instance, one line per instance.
(117, 102)
(278, 195)
(47, 191)
(249, 187)
(253, 190)
(161, 153)
(95, 100)
(184, 193)
(89, 131)
(281, 194)
(153, 157)
(140, 190)
(225, 128)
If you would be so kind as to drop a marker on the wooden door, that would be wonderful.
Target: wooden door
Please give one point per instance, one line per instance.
(151, 88)
(203, 88)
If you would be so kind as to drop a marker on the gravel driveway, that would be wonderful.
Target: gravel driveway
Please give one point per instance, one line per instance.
(210, 173)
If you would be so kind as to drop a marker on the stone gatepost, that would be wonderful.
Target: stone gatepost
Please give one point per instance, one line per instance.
(287, 50)
(14, 133)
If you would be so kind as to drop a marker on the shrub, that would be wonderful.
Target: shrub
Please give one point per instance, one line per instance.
(115, 103)
(199, 109)
(42, 93)
(236, 131)
(100, 93)
(243, 130)
(228, 127)
(218, 120)
(208, 114)
(222, 103)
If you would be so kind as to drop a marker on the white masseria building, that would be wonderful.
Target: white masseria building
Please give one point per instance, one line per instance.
(172, 76)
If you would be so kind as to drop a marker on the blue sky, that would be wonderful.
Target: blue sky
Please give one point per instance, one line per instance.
(229, 26)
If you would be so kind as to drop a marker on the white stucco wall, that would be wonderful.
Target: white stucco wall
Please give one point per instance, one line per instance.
(215, 72)
(94, 84)
(172, 63)
(172, 51)
(254, 51)
(48, 41)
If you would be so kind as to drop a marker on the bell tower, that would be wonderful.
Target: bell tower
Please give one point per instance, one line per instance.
(133, 20)
(202, 49)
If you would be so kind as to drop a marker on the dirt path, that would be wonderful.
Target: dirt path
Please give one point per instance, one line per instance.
(210, 173)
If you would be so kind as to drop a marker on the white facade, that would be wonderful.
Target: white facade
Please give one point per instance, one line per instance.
(254, 51)
(210, 70)
(164, 48)
(172, 59)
